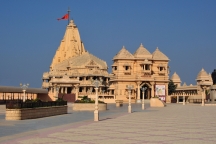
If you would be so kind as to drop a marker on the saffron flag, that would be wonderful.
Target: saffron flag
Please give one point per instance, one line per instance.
(65, 17)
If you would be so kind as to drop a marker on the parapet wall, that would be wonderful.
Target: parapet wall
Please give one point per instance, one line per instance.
(32, 113)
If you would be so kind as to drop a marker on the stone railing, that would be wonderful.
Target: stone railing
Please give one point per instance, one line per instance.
(162, 72)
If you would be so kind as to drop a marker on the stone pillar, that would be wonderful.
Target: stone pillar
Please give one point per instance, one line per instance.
(166, 94)
(84, 89)
(138, 91)
(62, 90)
(65, 90)
(203, 97)
(152, 90)
(71, 89)
(183, 98)
(177, 99)
(77, 91)
(213, 93)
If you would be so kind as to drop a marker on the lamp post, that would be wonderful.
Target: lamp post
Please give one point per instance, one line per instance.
(96, 83)
(143, 93)
(24, 87)
(203, 95)
(129, 87)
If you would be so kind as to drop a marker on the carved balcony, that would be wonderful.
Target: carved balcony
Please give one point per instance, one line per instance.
(127, 72)
(161, 72)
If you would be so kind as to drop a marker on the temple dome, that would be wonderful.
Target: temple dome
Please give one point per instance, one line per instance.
(175, 78)
(158, 55)
(202, 75)
(123, 54)
(142, 52)
(82, 61)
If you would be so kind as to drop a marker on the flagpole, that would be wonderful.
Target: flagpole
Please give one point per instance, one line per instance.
(68, 15)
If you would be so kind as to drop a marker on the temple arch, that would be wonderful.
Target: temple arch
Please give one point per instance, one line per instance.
(147, 94)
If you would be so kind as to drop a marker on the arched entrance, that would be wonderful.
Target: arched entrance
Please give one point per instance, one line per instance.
(147, 94)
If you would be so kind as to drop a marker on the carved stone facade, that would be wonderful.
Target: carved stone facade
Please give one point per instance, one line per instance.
(141, 69)
(191, 92)
(73, 70)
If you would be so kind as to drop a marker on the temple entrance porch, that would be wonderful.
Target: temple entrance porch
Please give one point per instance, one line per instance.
(147, 94)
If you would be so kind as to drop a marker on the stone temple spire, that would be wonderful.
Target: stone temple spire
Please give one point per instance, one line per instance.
(70, 46)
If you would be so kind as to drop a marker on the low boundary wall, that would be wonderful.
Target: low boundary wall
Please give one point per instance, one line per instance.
(32, 113)
(88, 106)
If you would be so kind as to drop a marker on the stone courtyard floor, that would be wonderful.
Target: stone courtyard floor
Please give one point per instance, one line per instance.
(174, 124)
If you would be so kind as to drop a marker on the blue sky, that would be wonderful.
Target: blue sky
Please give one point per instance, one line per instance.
(184, 30)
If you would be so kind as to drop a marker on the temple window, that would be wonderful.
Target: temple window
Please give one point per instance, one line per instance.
(80, 89)
(112, 92)
(65, 55)
(160, 68)
(94, 78)
(126, 67)
(104, 79)
(115, 67)
(80, 78)
(87, 78)
(59, 60)
(146, 67)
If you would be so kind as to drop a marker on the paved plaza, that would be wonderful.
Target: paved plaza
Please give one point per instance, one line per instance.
(174, 124)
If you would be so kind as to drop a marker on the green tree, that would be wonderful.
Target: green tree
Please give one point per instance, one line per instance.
(171, 87)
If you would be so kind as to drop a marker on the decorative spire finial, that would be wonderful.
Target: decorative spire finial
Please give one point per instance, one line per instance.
(68, 15)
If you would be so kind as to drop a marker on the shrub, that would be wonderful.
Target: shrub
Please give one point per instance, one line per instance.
(36, 100)
(85, 99)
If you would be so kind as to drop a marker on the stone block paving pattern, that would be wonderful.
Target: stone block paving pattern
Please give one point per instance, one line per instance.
(174, 124)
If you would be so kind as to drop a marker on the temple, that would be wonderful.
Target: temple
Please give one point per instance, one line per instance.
(192, 93)
(141, 69)
(73, 71)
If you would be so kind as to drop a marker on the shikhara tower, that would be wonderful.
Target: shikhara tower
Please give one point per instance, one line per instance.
(70, 46)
